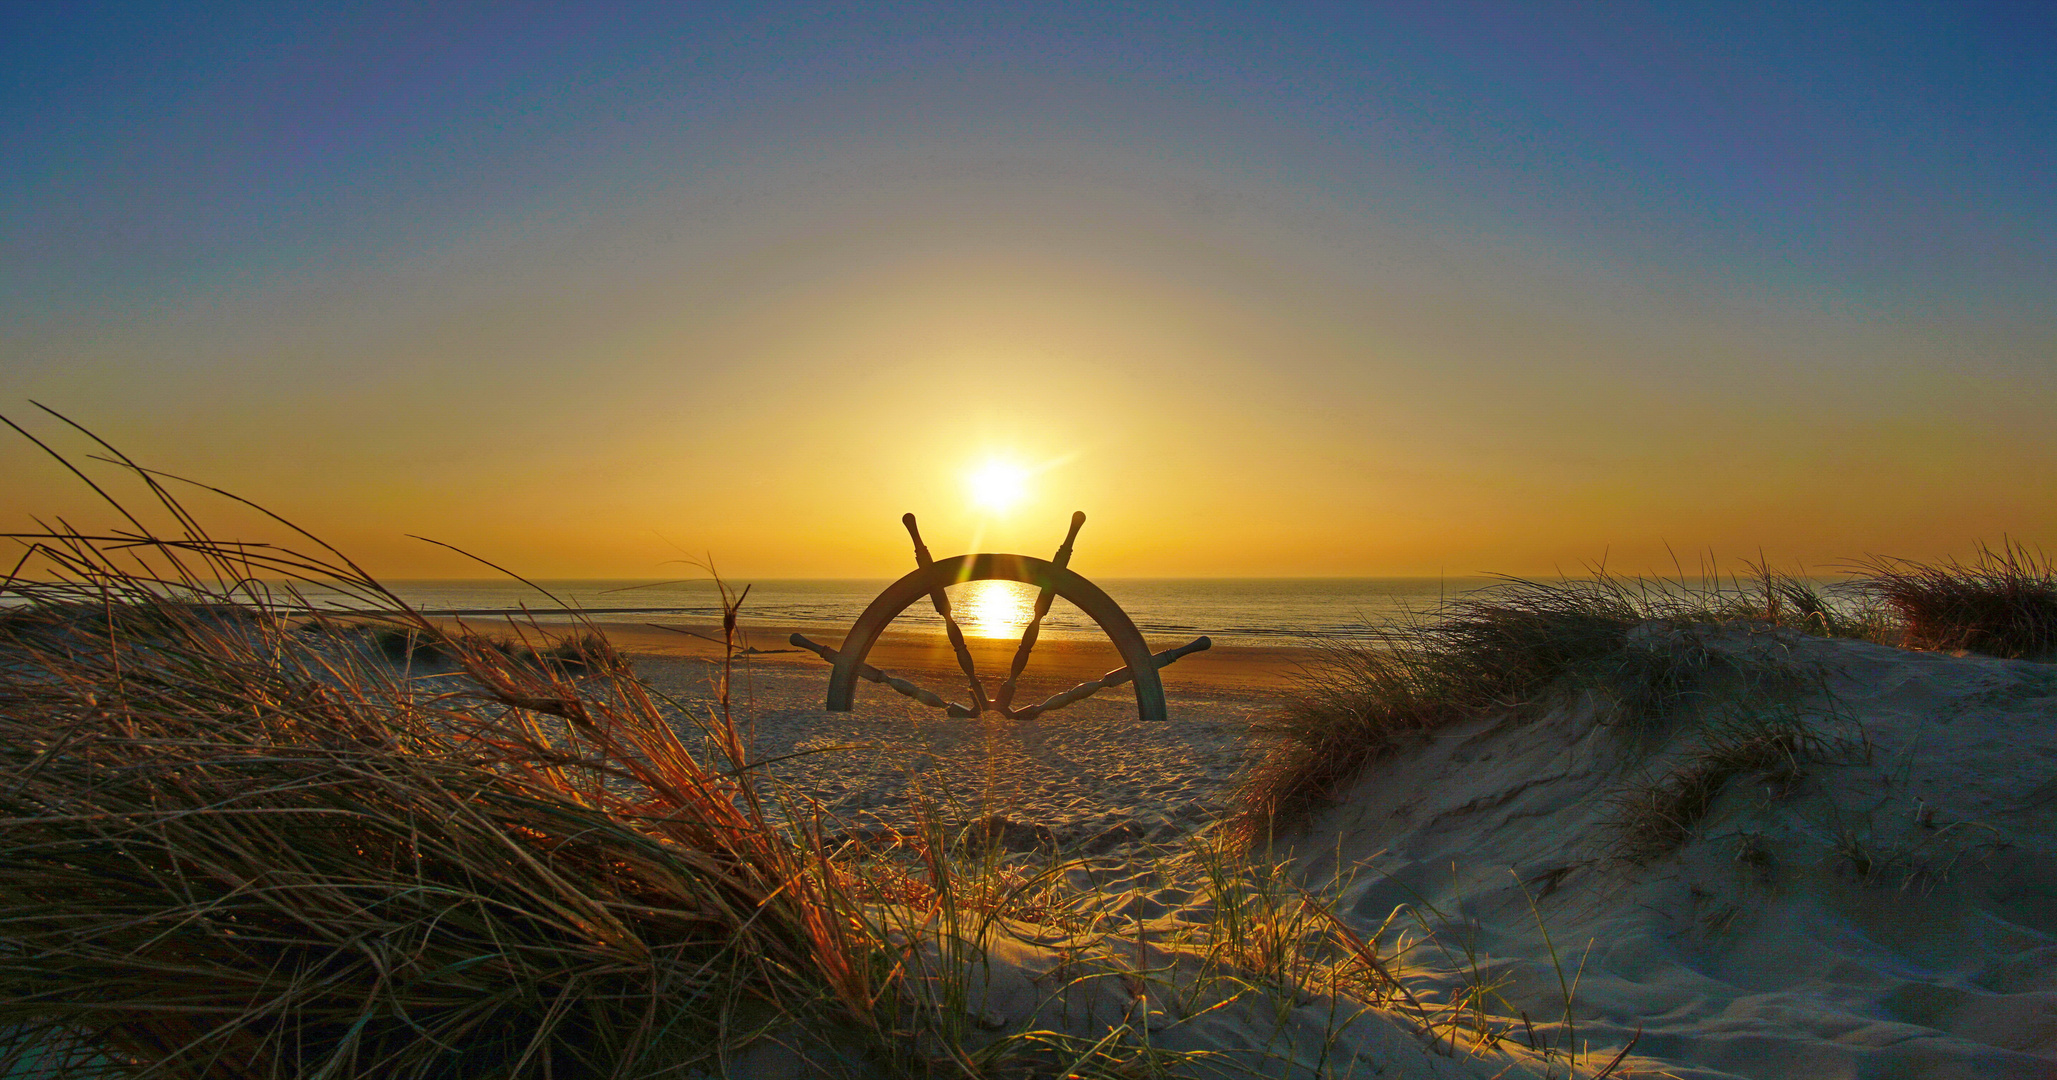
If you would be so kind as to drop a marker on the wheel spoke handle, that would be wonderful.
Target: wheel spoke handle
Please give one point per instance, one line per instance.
(1113, 678)
(865, 671)
(942, 602)
(1029, 633)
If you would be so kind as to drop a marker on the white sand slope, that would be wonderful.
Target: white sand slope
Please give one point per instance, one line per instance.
(1890, 911)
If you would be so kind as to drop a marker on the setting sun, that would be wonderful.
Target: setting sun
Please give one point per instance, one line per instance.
(998, 486)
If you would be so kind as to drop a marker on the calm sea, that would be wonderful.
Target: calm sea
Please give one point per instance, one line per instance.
(1231, 610)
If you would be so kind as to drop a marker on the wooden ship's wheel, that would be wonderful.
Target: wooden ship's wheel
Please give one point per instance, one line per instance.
(1053, 578)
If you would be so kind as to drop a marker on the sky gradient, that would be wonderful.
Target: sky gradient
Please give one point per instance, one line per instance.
(1266, 290)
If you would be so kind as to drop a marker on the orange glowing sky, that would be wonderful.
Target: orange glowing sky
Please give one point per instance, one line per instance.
(1265, 292)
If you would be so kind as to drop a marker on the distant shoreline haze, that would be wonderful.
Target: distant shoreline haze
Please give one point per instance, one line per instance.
(1231, 610)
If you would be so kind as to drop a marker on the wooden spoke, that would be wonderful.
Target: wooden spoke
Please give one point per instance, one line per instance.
(1113, 678)
(871, 674)
(1005, 696)
(942, 602)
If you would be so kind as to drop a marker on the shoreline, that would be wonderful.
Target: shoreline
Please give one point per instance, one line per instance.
(1230, 669)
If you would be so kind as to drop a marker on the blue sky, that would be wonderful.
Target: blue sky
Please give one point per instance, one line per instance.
(1564, 236)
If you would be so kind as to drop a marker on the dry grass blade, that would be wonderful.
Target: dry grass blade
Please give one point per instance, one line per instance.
(2004, 603)
(1659, 817)
(215, 864)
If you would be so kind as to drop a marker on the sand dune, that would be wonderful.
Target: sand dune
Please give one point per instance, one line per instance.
(1882, 902)
(1887, 906)
(1888, 910)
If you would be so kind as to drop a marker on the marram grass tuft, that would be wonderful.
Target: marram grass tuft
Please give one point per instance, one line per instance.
(1508, 650)
(2003, 603)
(235, 841)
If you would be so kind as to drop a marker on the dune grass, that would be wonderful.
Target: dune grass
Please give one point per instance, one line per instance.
(1660, 815)
(1523, 643)
(2002, 603)
(1511, 650)
(1628, 641)
(237, 843)
(229, 849)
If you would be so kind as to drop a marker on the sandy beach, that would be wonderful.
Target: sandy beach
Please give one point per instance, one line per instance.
(1824, 857)
(927, 657)
(1090, 776)
(1883, 910)
(1886, 906)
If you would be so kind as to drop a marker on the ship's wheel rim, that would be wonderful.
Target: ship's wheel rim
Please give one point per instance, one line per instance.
(998, 566)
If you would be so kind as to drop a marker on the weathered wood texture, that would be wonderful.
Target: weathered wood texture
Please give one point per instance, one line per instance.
(1005, 696)
(922, 561)
(1113, 678)
(990, 566)
(867, 672)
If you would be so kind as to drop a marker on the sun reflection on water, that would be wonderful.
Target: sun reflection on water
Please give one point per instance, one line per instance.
(993, 609)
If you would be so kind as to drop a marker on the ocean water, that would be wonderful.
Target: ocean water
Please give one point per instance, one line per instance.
(1167, 611)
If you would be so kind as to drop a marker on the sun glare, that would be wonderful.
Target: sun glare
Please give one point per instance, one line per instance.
(998, 485)
(994, 609)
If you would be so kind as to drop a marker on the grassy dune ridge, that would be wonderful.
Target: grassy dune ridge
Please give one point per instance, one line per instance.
(1526, 644)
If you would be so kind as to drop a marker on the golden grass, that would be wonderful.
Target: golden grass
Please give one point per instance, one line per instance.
(237, 843)
(228, 849)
